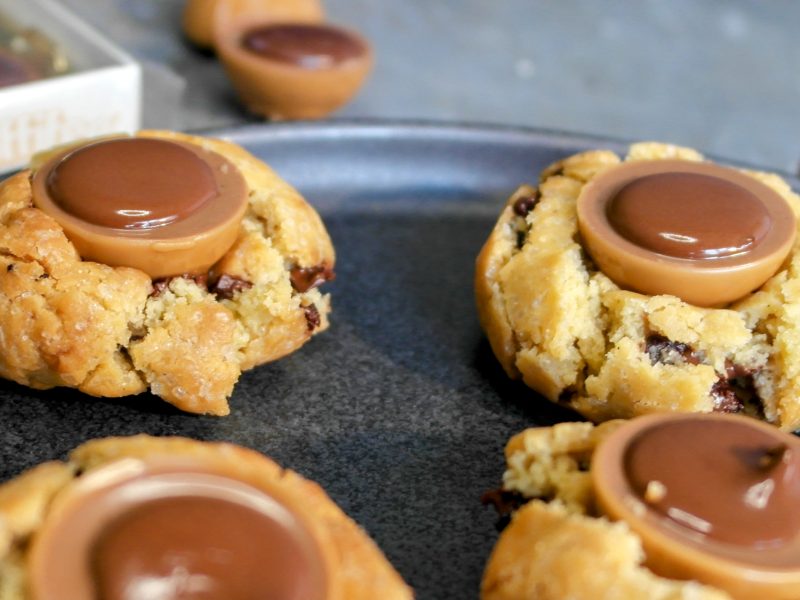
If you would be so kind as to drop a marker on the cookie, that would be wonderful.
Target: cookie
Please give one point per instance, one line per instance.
(271, 530)
(66, 320)
(601, 511)
(573, 334)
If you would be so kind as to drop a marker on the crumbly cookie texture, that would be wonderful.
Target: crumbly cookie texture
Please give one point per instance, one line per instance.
(113, 332)
(361, 572)
(548, 554)
(555, 546)
(558, 323)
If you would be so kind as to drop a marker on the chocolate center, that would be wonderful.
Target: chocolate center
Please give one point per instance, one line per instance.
(705, 233)
(305, 46)
(195, 548)
(174, 531)
(131, 183)
(689, 215)
(722, 480)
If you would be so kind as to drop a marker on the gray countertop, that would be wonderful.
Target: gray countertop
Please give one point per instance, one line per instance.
(718, 76)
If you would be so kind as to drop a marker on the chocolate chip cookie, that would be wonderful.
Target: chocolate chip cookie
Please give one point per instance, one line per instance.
(152, 517)
(182, 305)
(582, 336)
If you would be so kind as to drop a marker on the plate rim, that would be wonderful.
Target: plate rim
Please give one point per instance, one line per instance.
(372, 128)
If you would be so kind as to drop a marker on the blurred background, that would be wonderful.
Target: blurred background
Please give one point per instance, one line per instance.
(717, 75)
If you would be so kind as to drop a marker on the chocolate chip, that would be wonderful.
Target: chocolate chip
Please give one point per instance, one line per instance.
(161, 284)
(44, 276)
(725, 398)
(525, 204)
(9, 267)
(520, 239)
(306, 278)
(227, 286)
(505, 502)
(736, 391)
(732, 371)
(312, 317)
(662, 350)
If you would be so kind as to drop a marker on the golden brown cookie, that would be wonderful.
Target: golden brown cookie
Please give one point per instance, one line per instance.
(584, 525)
(569, 332)
(40, 508)
(112, 331)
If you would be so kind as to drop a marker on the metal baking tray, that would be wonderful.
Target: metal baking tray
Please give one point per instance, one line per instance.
(400, 410)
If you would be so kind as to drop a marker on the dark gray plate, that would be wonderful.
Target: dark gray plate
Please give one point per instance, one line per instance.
(400, 410)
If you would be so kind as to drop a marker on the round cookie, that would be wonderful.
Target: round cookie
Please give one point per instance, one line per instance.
(569, 332)
(40, 506)
(583, 524)
(112, 331)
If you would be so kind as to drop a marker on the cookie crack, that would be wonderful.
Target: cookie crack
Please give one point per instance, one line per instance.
(28, 260)
(518, 346)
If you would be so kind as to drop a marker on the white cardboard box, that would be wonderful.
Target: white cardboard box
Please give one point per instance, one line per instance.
(100, 95)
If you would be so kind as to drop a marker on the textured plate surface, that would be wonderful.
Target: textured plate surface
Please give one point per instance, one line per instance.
(400, 410)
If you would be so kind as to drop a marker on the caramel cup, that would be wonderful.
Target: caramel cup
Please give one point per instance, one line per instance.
(198, 15)
(196, 22)
(705, 281)
(284, 87)
(709, 463)
(95, 192)
(176, 524)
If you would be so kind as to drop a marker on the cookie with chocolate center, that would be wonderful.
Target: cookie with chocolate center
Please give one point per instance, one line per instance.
(658, 281)
(163, 262)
